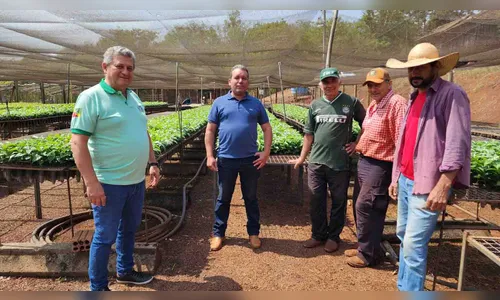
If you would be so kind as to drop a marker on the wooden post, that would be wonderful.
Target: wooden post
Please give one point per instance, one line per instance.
(451, 75)
(16, 87)
(269, 90)
(282, 92)
(324, 34)
(330, 41)
(38, 199)
(461, 269)
(63, 89)
(42, 92)
(69, 84)
(201, 91)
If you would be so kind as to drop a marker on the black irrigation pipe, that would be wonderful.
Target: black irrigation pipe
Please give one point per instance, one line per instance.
(47, 232)
(184, 200)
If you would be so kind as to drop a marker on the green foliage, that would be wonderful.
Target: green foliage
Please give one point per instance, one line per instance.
(164, 131)
(392, 29)
(376, 31)
(29, 110)
(54, 150)
(191, 36)
(23, 111)
(286, 140)
(485, 164)
(297, 113)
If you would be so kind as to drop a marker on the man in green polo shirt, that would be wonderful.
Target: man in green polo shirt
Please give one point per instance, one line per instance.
(327, 132)
(111, 147)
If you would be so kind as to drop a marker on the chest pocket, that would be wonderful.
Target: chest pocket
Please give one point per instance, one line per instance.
(251, 113)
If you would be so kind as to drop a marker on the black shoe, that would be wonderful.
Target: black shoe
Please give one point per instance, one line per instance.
(105, 289)
(135, 278)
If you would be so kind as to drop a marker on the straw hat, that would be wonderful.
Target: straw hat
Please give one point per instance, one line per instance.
(425, 53)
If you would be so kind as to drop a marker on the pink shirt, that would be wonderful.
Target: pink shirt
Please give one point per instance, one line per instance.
(443, 142)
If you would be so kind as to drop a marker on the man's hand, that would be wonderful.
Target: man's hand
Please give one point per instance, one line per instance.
(212, 163)
(261, 161)
(438, 197)
(350, 147)
(154, 176)
(297, 162)
(95, 193)
(393, 191)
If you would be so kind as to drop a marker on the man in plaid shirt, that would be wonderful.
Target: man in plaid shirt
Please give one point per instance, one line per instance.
(376, 145)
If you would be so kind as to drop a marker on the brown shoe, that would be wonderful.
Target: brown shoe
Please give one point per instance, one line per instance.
(216, 243)
(351, 252)
(254, 241)
(312, 243)
(331, 246)
(356, 262)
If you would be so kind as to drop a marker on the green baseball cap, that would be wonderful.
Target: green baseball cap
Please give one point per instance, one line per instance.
(329, 72)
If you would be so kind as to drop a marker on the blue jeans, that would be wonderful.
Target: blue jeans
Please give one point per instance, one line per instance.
(415, 226)
(115, 222)
(229, 168)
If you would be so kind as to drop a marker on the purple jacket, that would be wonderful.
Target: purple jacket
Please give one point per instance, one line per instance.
(443, 138)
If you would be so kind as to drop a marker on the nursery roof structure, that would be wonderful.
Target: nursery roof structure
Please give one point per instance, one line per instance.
(46, 46)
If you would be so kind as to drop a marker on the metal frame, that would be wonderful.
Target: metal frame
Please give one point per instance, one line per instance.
(489, 246)
(37, 175)
(486, 225)
(29, 126)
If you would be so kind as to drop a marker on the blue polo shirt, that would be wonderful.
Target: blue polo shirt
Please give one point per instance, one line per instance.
(237, 124)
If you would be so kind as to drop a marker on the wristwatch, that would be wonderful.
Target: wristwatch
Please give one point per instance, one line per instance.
(155, 163)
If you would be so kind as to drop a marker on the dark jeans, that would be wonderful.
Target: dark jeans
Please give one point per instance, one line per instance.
(319, 177)
(374, 178)
(229, 168)
(355, 194)
(116, 222)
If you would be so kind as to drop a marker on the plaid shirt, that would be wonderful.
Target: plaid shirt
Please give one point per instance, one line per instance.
(381, 127)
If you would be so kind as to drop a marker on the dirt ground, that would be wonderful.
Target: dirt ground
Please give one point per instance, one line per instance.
(282, 264)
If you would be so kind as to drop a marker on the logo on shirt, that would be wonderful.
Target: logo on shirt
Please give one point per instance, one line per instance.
(346, 109)
(140, 108)
(331, 119)
(76, 113)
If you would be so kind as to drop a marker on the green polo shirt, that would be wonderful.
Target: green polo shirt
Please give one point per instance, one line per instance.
(329, 122)
(117, 127)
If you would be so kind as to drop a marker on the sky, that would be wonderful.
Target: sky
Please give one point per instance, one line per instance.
(351, 14)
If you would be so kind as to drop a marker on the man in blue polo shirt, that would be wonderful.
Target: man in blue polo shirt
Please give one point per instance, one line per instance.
(111, 147)
(235, 117)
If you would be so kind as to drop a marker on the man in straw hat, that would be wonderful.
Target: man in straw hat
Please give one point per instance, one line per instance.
(432, 156)
(376, 145)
